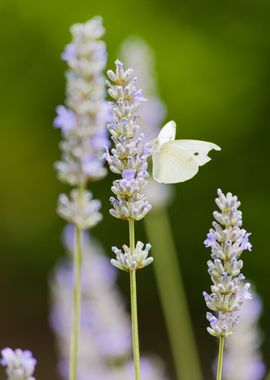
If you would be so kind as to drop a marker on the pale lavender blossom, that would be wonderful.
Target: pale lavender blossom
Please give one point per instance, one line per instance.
(136, 53)
(127, 261)
(83, 119)
(80, 209)
(128, 158)
(227, 241)
(19, 364)
(105, 336)
(242, 357)
(83, 123)
(129, 155)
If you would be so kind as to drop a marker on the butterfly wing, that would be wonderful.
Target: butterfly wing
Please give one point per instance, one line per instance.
(198, 149)
(172, 164)
(167, 133)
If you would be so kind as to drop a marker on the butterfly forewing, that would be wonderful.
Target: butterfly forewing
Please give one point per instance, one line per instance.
(167, 133)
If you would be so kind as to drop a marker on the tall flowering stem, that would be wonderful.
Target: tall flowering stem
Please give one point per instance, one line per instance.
(128, 158)
(227, 241)
(139, 55)
(134, 308)
(77, 307)
(220, 358)
(83, 125)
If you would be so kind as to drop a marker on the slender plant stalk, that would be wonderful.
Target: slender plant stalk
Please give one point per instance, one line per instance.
(76, 307)
(172, 296)
(134, 311)
(220, 358)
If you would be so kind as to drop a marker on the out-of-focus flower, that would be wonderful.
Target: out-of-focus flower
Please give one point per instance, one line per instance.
(242, 357)
(83, 120)
(105, 336)
(19, 364)
(105, 331)
(80, 209)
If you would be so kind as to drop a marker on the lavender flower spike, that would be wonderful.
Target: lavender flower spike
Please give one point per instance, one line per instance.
(20, 365)
(83, 120)
(83, 125)
(227, 241)
(129, 156)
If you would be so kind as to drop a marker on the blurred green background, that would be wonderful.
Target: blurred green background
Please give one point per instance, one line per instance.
(213, 62)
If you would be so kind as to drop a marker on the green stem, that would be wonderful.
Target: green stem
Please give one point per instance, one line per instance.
(134, 311)
(172, 296)
(76, 307)
(220, 358)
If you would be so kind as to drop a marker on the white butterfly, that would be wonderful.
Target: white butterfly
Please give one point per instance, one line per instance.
(178, 160)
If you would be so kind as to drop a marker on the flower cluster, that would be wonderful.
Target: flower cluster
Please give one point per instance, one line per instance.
(20, 365)
(242, 358)
(127, 261)
(105, 336)
(80, 209)
(227, 241)
(138, 55)
(83, 121)
(129, 156)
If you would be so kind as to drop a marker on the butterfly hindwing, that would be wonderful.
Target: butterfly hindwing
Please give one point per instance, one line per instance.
(199, 149)
(172, 164)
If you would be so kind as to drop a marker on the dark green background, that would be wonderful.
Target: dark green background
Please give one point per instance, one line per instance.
(213, 62)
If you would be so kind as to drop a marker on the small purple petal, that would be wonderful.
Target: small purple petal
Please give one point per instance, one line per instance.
(69, 53)
(100, 140)
(138, 96)
(211, 240)
(128, 174)
(245, 242)
(65, 119)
